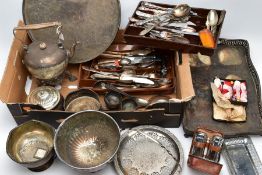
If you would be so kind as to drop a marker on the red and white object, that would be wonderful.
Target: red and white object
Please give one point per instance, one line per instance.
(243, 92)
(234, 90)
(225, 87)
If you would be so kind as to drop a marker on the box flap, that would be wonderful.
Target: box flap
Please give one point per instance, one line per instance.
(185, 89)
(15, 74)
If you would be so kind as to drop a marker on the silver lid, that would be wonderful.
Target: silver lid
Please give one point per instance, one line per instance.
(46, 96)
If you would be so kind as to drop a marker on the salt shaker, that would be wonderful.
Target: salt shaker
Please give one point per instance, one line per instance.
(200, 138)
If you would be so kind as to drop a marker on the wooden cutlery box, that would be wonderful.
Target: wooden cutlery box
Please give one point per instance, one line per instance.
(132, 36)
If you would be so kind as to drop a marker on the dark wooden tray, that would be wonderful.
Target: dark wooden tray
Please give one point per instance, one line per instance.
(120, 44)
(132, 36)
(199, 111)
(86, 81)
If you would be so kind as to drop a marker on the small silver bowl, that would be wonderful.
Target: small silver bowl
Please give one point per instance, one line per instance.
(81, 100)
(87, 140)
(113, 100)
(32, 145)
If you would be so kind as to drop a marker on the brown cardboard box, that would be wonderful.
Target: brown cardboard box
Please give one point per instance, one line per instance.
(12, 92)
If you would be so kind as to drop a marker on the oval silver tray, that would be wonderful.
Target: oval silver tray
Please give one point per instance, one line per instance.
(149, 150)
(241, 156)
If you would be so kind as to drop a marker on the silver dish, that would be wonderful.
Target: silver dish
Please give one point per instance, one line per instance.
(46, 96)
(149, 150)
(87, 140)
(81, 100)
(241, 156)
(31, 145)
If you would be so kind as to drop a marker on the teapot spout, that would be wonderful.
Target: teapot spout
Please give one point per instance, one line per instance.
(71, 52)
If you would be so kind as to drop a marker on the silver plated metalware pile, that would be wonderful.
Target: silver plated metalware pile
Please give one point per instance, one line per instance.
(89, 139)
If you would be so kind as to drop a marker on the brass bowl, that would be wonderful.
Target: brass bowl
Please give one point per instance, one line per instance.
(32, 145)
(87, 140)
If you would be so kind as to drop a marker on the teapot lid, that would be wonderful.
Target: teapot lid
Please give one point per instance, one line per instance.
(46, 96)
(44, 54)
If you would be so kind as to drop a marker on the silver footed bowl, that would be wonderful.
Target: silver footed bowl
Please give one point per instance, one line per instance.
(87, 140)
(31, 145)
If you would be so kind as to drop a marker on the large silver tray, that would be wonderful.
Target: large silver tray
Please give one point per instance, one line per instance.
(149, 150)
(93, 23)
(241, 156)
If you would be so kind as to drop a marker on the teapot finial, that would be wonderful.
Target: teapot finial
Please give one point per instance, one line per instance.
(42, 45)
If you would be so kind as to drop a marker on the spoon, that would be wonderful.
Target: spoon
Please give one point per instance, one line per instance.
(212, 20)
(119, 76)
(127, 61)
(158, 101)
(220, 20)
(139, 101)
(181, 10)
(129, 104)
(169, 36)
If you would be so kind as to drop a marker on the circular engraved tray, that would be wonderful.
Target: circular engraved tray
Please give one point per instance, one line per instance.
(93, 23)
(149, 150)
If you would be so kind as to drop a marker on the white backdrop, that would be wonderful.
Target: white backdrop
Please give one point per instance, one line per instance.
(242, 22)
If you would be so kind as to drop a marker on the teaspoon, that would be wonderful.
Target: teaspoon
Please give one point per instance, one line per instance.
(212, 20)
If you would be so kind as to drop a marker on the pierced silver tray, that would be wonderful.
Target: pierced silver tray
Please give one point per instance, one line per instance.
(149, 150)
(241, 156)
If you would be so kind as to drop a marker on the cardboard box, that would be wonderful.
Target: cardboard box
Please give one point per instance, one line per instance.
(14, 82)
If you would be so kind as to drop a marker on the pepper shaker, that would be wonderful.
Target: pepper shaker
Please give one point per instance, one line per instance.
(213, 151)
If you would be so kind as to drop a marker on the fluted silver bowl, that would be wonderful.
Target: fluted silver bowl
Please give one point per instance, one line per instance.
(87, 140)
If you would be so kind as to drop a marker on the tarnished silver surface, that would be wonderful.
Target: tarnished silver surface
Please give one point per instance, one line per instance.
(199, 111)
(93, 23)
(169, 36)
(83, 103)
(31, 144)
(46, 96)
(81, 100)
(229, 56)
(87, 140)
(46, 60)
(139, 101)
(181, 10)
(241, 156)
(46, 74)
(149, 150)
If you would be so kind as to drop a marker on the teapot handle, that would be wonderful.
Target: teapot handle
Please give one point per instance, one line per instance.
(37, 26)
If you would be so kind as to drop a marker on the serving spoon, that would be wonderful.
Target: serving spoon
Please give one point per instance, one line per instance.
(140, 101)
